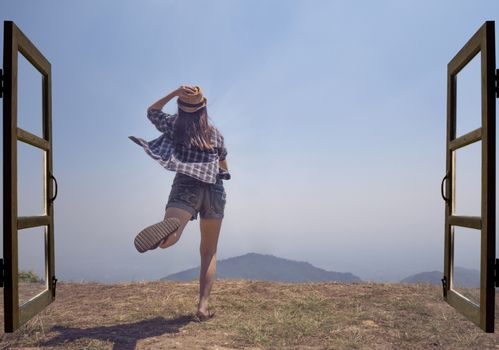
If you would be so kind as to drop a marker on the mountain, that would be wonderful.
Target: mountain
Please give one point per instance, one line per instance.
(463, 277)
(269, 268)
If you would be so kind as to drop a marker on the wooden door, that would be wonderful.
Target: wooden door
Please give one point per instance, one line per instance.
(15, 315)
(482, 313)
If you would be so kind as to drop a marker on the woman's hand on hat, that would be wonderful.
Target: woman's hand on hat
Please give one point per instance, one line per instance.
(182, 91)
(185, 90)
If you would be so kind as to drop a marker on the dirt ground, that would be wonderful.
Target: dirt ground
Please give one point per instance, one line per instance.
(249, 315)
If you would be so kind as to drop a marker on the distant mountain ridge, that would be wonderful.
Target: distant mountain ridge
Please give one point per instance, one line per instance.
(256, 266)
(463, 277)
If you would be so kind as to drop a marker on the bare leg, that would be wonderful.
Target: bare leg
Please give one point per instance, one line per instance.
(210, 230)
(184, 216)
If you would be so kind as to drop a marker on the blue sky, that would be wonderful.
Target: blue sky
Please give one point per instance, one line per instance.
(333, 114)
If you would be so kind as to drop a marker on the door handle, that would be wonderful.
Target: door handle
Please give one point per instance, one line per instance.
(56, 187)
(442, 188)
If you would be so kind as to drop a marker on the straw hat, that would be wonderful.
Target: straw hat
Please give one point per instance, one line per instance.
(192, 102)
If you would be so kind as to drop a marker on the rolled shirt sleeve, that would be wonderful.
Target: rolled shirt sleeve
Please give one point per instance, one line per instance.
(222, 150)
(164, 122)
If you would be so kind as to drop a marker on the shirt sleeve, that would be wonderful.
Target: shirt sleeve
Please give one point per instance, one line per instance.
(164, 122)
(222, 150)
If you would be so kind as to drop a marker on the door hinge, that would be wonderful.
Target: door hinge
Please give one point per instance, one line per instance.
(444, 286)
(54, 285)
(1, 83)
(496, 85)
(2, 274)
(496, 277)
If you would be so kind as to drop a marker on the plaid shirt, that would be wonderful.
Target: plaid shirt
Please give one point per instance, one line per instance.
(189, 160)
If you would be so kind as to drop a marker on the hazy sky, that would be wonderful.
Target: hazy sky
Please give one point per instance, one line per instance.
(333, 112)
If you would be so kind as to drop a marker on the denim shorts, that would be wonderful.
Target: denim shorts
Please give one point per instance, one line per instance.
(197, 196)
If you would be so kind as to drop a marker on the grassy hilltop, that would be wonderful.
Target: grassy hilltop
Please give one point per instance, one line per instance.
(250, 315)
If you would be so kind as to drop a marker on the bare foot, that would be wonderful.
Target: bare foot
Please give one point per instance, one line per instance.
(161, 244)
(164, 243)
(204, 316)
(203, 307)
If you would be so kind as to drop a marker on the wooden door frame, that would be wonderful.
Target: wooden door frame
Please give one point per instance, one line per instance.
(15, 315)
(483, 42)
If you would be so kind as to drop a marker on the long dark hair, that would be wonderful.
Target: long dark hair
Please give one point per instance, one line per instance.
(193, 129)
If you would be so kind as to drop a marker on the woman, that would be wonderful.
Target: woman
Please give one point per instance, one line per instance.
(192, 147)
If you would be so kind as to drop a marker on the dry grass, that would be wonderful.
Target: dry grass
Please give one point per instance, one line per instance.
(250, 315)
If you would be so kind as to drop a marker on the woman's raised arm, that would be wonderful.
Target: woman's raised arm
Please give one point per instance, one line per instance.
(184, 89)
